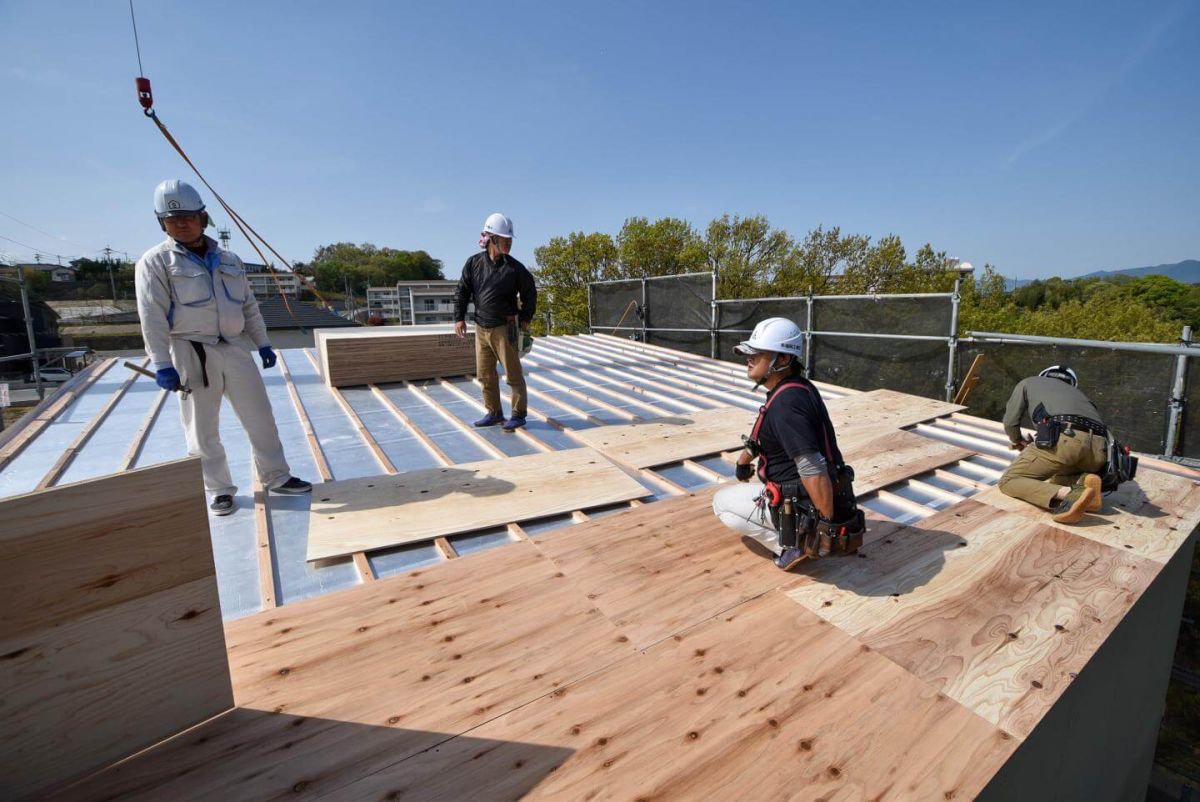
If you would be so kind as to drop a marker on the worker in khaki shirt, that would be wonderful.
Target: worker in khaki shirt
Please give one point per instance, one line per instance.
(1058, 470)
(505, 299)
(197, 313)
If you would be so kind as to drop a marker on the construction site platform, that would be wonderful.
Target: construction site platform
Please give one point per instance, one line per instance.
(972, 649)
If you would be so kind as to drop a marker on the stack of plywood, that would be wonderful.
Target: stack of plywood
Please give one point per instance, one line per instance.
(110, 630)
(393, 353)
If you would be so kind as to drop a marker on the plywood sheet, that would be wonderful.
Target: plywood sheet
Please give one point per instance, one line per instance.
(764, 702)
(376, 512)
(1151, 516)
(393, 353)
(858, 419)
(668, 566)
(111, 636)
(896, 456)
(658, 441)
(337, 687)
(997, 611)
(886, 408)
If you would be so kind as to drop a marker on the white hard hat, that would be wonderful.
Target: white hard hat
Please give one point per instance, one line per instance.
(776, 334)
(1062, 373)
(173, 197)
(499, 225)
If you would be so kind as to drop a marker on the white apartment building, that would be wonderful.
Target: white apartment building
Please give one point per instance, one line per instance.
(414, 303)
(266, 282)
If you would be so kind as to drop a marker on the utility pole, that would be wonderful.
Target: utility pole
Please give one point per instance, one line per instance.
(223, 235)
(111, 283)
(33, 351)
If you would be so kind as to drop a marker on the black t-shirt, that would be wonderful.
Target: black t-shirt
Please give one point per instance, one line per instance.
(795, 422)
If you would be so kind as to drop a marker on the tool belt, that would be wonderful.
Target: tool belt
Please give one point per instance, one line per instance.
(1081, 423)
(801, 526)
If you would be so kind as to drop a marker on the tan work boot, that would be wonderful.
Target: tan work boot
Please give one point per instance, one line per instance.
(1084, 497)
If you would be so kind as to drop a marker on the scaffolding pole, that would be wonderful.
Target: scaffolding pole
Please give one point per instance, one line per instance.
(1178, 398)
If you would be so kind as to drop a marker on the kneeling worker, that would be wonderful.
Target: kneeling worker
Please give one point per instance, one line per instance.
(1059, 472)
(805, 507)
(197, 312)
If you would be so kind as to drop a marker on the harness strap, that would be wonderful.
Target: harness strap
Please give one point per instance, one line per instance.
(762, 414)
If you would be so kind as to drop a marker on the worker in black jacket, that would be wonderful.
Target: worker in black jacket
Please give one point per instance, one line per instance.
(505, 299)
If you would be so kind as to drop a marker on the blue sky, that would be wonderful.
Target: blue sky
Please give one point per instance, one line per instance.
(1045, 138)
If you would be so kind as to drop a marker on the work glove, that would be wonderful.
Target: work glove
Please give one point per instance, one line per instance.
(167, 378)
(744, 471)
(267, 355)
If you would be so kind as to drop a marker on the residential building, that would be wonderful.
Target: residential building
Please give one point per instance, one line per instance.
(414, 303)
(57, 273)
(268, 282)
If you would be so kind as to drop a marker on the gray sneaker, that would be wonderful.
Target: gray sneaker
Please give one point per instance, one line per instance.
(222, 505)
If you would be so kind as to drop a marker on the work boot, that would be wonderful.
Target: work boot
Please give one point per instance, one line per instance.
(222, 505)
(514, 423)
(790, 558)
(1084, 497)
(293, 487)
(489, 420)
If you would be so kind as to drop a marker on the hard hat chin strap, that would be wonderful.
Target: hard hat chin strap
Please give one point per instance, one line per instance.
(772, 369)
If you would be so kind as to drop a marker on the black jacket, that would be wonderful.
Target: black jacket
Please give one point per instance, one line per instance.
(495, 287)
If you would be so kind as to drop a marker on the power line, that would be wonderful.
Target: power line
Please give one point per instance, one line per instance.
(46, 233)
(31, 248)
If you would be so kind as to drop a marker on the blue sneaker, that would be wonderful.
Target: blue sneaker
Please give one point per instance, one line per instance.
(790, 558)
(514, 423)
(489, 420)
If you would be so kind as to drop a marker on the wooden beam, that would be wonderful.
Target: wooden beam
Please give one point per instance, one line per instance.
(262, 528)
(425, 439)
(600, 402)
(576, 371)
(314, 445)
(706, 472)
(68, 456)
(662, 369)
(969, 381)
(139, 437)
(12, 449)
(523, 433)
(487, 445)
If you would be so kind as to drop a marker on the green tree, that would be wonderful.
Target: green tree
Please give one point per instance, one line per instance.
(564, 268)
(746, 254)
(667, 247)
(814, 263)
(367, 266)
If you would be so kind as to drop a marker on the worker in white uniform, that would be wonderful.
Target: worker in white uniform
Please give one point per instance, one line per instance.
(198, 316)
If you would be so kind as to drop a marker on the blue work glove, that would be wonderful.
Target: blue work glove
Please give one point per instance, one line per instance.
(267, 354)
(167, 378)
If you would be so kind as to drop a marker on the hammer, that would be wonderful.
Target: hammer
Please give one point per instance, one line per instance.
(144, 372)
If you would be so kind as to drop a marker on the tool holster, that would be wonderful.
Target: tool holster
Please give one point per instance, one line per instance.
(801, 526)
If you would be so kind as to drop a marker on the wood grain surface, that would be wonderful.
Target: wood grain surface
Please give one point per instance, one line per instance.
(375, 512)
(380, 354)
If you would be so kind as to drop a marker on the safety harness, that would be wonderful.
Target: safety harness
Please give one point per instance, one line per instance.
(792, 512)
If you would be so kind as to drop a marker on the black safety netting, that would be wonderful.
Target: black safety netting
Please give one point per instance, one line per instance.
(611, 301)
(884, 315)
(1130, 389)
(680, 302)
(862, 363)
(694, 342)
(736, 319)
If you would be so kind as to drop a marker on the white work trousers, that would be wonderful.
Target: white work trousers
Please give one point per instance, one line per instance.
(740, 507)
(232, 374)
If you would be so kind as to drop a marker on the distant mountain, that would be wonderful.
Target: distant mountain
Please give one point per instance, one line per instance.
(1187, 271)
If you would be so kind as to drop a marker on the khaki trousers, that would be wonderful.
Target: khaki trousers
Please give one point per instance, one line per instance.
(232, 374)
(1037, 474)
(491, 346)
